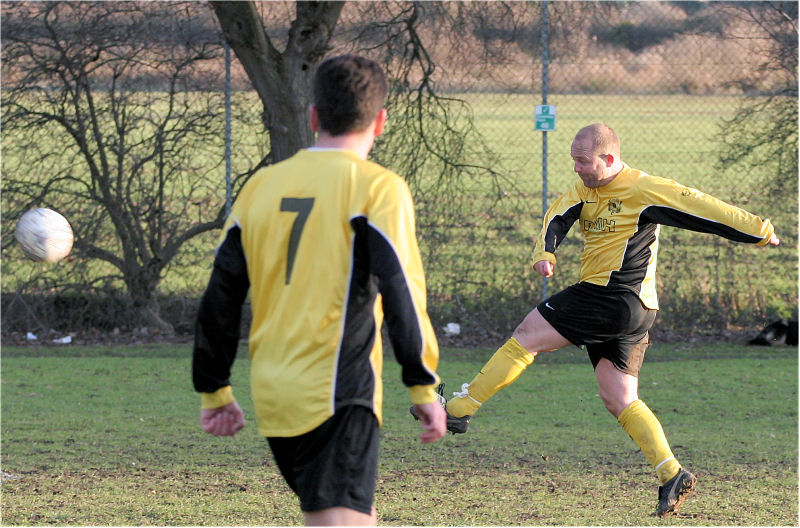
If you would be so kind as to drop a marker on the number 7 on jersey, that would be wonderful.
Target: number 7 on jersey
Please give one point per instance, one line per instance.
(301, 206)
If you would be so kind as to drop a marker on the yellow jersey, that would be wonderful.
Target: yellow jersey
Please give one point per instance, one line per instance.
(325, 241)
(620, 222)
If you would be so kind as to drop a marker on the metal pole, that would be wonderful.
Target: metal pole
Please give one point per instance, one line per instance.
(228, 190)
(545, 60)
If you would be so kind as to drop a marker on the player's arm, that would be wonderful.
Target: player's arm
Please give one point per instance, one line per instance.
(687, 208)
(556, 224)
(217, 336)
(396, 262)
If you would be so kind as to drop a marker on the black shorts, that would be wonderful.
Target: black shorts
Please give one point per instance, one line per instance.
(610, 320)
(334, 465)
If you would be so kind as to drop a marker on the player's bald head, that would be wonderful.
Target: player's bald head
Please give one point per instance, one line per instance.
(602, 138)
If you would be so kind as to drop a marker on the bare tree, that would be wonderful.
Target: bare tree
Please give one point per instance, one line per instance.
(107, 118)
(282, 79)
(431, 140)
(763, 134)
(388, 31)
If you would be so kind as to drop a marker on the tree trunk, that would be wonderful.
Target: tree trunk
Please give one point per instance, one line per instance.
(142, 287)
(151, 319)
(282, 80)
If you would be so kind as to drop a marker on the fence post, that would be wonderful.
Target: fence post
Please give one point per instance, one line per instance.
(545, 60)
(228, 190)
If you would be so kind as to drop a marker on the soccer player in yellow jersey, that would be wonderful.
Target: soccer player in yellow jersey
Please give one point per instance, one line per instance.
(325, 243)
(619, 211)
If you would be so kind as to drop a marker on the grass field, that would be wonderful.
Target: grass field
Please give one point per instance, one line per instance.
(110, 436)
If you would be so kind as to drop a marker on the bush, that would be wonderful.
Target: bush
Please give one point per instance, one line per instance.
(104, 312)
(634, 37)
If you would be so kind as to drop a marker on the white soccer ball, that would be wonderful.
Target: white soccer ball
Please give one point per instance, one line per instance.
(45, 235)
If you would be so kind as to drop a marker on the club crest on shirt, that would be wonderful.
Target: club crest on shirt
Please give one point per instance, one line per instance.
(614, 205)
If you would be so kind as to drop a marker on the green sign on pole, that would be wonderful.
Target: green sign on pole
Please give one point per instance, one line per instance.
(545, 117)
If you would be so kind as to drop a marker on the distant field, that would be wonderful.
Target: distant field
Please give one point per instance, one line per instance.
(110, 436)
(477, 259)
(667, 135)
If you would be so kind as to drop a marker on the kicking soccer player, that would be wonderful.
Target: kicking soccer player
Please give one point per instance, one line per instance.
(316, 239)
(611, 309)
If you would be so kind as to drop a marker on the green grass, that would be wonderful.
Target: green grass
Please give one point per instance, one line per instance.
(110, 436)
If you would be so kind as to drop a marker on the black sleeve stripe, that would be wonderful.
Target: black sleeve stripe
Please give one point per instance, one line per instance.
(219, 317)
(355, 376)
(559, 226)
(399, 310)
(637, 255)
(660, 214)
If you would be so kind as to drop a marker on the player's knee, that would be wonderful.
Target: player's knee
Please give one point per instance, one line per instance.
(526, 334)
(615, 403)
(613, 407)
(528, 340)
(523, 329)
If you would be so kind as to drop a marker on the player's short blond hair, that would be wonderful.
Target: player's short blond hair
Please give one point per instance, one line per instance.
(603, 138)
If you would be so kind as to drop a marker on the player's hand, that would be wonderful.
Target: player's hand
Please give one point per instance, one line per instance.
(433, 420)
(774, 240)
(222, 421)
(544, 268)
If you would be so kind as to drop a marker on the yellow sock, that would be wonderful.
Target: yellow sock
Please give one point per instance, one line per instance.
(500, 371)
(645, 429)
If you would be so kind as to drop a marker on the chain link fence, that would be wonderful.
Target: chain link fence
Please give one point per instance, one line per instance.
(667, 76)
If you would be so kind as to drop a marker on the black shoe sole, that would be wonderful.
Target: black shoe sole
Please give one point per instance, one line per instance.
(686, 491)
(457, 426)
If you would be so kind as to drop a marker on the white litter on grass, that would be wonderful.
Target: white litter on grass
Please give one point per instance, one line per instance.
(452, 329)
(31, 336)
(63, 340)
